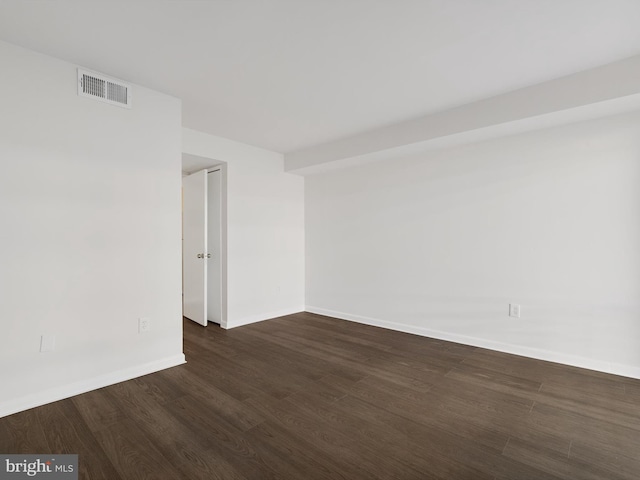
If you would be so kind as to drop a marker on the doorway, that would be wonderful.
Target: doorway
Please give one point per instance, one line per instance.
(204, 244)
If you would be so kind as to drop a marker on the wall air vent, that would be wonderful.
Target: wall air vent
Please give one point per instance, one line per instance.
(102, 88)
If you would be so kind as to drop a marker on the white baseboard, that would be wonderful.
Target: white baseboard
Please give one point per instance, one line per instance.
(77, 388)
(262, 317)
(540, 354)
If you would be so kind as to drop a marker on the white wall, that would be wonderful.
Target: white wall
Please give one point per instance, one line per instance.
(440, 244)
(265, 229)
(90, 233)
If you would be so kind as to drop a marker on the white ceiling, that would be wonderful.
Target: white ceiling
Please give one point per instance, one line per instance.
(290, 74)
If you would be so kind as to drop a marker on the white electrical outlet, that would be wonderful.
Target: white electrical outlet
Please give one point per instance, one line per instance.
(144, 324)
(514, 310)
(47, 343)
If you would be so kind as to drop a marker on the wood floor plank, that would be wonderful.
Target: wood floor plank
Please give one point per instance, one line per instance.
(212, 397)
(588, 429)
(24, 434)
(68, 434)
(332, 441)
(500, 381)
(160, 388)
(570, 377)
(313, 397)
(342, 366)
(97, 409)
(556, 464)
(179, 443)
(420, 447)
(622, 411)
(215, 433)
(261, 375)
(417, 427)
(621, 462)
(296, 456)
(485, 406)
(134, 456)
(7, 440)
(226, 381)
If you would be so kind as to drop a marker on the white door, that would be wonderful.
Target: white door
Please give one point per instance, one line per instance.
(214, 265)
(194, 246)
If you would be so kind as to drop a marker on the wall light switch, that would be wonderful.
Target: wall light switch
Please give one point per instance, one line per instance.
(514, 310)
(47, 343)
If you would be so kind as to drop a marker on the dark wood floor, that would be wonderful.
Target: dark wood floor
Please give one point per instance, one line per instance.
(310, 397)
